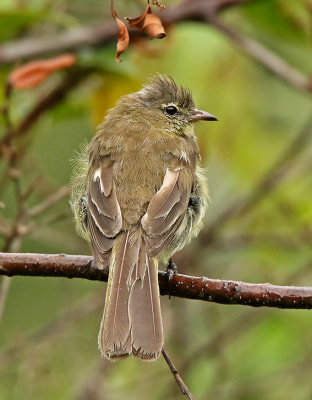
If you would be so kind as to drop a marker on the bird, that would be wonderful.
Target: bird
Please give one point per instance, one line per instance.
(138, 196)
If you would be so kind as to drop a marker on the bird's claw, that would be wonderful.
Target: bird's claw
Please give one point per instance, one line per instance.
(172, 269)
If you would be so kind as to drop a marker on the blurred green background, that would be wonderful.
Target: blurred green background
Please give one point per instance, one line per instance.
(48, 332)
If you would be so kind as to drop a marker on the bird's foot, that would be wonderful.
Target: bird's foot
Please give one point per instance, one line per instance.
(172, 269)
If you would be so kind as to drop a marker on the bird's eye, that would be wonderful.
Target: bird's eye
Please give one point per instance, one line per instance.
(171, 110)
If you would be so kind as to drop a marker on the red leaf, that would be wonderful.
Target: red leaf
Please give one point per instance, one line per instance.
(35, 72)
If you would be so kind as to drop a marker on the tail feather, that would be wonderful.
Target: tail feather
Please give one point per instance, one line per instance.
(132, 316)
(145, 315)
(114, 335)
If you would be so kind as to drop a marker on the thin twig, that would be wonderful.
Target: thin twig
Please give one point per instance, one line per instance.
(49, 201)
(47, 102)
(100, 35)
(11, 243)
(31, 188)
(176, 375)
(265, 56)
(6, 106)
(54, 97)
(5, 284)
(4, 227)
(19, 226)
(58, 325)
(47, 221)
(199, 10)
(272, 178)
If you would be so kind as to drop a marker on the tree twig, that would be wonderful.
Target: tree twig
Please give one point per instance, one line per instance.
(54, 198)
(55, 96)
(54, 328)
(199, 10)
(48, 101)
(101, 34)
(266, 57)
(47, 221)
(190, 287)
(176, 375)
(5, 284)
(272, 178)
(6, 106)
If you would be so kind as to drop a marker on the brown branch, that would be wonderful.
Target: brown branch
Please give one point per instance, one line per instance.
(190, 287)
(47, 221)
(5, 284)
(271, 179)
(199, 10)
(207, 12)
(54, 198)
(176, 375)
(5, 109)
(266, 57)
(46, 102)
(54, 97)
(66, 41)
(51, 331)
(102, 34)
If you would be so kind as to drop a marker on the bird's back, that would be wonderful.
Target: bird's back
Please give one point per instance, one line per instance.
(142, 200)
(140, 159)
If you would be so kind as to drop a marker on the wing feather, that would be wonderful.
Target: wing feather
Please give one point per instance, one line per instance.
(104, 215)
(166, 210)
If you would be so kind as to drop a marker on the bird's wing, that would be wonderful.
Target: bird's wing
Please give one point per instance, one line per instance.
(104, 217)
(166, 210)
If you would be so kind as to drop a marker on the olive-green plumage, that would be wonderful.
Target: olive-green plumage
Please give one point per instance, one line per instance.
(139, 196)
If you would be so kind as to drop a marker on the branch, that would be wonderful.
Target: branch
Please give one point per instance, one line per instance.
(102, 34)
(190, 287)
(54, 328)
(54, 97)
(266, 57)
(54, 198)
(184, 389)
(61, 42)
(271, 179)
(199, 10)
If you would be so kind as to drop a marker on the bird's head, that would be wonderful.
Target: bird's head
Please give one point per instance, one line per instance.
(167, 105)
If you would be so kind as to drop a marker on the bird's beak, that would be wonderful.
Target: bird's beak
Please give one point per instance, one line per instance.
(199, 115)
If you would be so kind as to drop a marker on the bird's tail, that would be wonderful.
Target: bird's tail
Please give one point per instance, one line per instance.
(132, 317)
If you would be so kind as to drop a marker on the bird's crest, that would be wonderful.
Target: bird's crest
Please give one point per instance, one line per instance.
(163, 89)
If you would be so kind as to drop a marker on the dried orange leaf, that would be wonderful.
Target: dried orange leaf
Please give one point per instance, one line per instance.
(148, 23)
(35, 72)
(153, 27)
(123, 39)
(123, 35)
